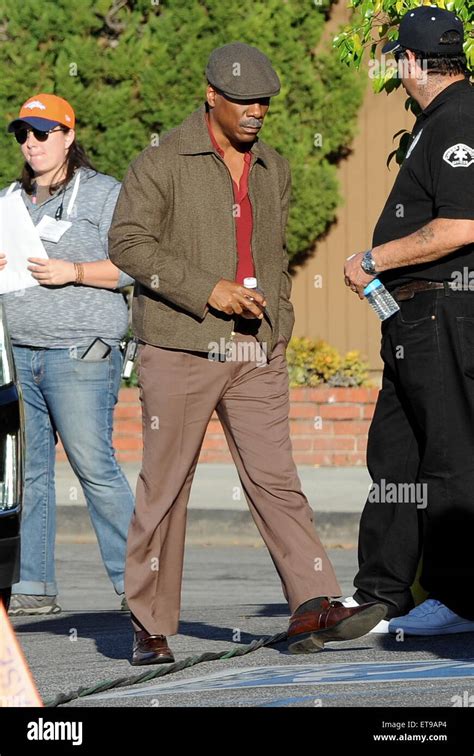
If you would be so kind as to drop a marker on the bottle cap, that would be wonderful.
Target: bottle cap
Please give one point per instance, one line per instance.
(250, 282)
(371, 286)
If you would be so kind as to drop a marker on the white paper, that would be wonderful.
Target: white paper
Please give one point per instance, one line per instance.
(19, 240)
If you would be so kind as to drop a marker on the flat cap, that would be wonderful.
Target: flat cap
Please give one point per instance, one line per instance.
(242, 72)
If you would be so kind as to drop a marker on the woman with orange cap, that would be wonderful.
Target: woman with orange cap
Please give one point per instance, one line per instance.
(66, 333)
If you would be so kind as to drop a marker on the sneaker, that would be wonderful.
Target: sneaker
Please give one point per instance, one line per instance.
(23, 604)
(123, 603)
(431, 618)
(380, 627)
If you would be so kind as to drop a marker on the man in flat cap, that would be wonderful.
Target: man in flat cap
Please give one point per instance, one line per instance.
(197, 216)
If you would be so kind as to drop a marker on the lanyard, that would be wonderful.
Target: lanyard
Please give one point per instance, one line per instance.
(59, 212)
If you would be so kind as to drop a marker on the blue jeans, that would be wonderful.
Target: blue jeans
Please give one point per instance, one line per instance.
(73, 398)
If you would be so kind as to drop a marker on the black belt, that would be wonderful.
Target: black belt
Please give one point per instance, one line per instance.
(408, 291)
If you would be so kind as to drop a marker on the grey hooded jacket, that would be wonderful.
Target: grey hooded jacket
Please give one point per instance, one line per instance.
(70, 315)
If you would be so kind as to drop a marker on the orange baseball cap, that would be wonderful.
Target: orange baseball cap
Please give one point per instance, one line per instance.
(44, 112)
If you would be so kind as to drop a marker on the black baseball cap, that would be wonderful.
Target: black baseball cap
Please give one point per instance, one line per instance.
(422, 29)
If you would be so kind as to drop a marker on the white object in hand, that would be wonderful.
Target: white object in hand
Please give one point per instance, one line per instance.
(19, 240)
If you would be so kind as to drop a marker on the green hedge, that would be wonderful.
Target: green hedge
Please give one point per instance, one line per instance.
(316, 363)
(133, 70)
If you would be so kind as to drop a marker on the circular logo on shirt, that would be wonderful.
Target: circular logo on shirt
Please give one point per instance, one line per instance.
(459, 156)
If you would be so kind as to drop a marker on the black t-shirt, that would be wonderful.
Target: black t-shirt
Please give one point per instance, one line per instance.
(436, 180)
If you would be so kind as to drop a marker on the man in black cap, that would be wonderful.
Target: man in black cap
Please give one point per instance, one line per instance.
(196, 218)
(422, 433)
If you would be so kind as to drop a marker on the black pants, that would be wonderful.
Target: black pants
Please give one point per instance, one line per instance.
(421, 441)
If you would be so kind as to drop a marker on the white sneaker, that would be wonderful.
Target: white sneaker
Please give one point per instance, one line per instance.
(380, 627)
(431, 618)
(349, 601)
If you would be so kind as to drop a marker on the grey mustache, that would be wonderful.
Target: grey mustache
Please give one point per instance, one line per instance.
(252, 124)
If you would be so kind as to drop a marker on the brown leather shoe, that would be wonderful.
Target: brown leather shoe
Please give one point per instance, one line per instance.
(309, 631)
(150, 649)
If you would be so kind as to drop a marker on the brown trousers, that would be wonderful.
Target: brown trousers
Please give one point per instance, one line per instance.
(179, 392)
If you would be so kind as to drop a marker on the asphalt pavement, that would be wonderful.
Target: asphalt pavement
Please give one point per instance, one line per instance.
(231, 596)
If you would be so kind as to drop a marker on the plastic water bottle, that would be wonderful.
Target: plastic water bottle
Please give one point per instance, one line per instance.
(380, 299)
(251, 283)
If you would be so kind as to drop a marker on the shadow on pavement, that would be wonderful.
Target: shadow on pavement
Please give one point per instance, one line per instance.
(112, 632)
(457, 647)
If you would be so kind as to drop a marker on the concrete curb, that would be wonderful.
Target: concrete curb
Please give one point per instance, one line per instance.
(217, 527)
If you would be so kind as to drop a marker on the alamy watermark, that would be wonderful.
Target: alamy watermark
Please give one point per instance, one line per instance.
(462, 280)
(402, 69)
(42, 729)
(399, 493)
(238, 351)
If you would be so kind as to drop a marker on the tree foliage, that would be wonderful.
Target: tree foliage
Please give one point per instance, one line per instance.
(376, 21)
(133, 69)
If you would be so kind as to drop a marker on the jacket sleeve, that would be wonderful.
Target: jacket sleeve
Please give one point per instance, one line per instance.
(104, 225)
(135, 244)
(286, 314)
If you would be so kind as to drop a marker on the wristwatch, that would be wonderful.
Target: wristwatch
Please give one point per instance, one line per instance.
(368, 263)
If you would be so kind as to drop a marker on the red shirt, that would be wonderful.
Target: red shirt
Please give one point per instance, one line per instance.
(243, 216)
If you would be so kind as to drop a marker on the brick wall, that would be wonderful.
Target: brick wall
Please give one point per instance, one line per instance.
(328, 427)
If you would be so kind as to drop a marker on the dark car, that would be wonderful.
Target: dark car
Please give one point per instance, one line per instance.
(11, 465)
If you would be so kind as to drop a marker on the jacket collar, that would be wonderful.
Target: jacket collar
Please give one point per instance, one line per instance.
(194, 137)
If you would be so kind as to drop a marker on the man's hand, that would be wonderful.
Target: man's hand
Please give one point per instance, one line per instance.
(52, 272)
(3, 260)
(234, 299)
(354, 277)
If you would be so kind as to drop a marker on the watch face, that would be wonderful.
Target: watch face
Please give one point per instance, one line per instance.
(368, 264)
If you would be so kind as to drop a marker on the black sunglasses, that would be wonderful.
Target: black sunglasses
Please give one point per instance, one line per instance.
(21, 135)
(400, 55)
